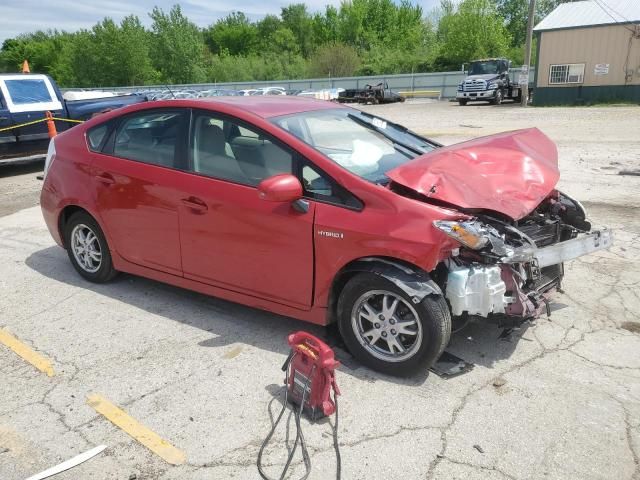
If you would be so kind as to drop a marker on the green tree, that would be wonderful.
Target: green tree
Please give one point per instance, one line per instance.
(297, 19)
(474, 30)
(234, 34)
(178, 46)
(515, 14)
(334, 60)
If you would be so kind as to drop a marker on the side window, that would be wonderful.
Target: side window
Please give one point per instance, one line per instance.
(224, 149)
(150, 137)
(319, 186)
(96, 135)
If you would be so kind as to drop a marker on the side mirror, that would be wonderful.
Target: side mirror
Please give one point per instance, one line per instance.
(283, 187)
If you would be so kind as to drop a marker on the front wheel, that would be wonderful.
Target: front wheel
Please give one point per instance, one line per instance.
(462, 102)
(498, 98)
(386, 331)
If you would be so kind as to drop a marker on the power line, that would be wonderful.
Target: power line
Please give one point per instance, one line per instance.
(603, 6)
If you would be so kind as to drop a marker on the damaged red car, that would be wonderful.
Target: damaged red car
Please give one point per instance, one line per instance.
(320, 212)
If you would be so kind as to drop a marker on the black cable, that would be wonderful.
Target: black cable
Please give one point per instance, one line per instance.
(299, 435)
(336, 445)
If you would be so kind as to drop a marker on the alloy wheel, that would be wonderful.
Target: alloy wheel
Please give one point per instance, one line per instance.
(86, 248)
(386, 325)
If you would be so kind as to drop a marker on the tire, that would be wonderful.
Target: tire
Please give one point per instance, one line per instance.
(92, 259)
(371, 341)
(462, 102)
(498, 99)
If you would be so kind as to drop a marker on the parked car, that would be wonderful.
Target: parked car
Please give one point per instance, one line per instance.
(320, 212)
(270, 91)
(26, 97)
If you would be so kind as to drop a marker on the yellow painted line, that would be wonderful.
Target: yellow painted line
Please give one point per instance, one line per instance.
(27, 353)
(136, 430)
(233, 353)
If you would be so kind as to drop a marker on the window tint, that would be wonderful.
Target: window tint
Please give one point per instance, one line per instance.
(224, 149)
(150, 137)
(28, 91)
(96, 135)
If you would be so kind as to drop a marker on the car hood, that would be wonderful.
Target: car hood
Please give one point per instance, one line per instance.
(485, 76)
(510, 173)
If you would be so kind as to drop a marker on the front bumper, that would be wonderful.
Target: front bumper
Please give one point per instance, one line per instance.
(520, 285)
(483, 95)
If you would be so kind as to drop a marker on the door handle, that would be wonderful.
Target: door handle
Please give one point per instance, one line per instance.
(3, 119)
(195, 203)
(105, 178)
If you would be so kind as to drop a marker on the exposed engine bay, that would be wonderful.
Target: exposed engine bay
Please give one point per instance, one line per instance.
(507, 270)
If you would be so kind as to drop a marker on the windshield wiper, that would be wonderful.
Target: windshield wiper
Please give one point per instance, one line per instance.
(381, 131)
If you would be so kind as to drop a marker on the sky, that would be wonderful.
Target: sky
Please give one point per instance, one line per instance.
(23, 16)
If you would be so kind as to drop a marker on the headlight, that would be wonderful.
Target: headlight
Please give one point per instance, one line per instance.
(492, 86)
(470, 233)
(460, 86)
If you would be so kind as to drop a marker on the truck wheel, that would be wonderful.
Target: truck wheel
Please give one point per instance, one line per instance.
(462, 102)
(498, 99)
(87, 248)
(386, 331)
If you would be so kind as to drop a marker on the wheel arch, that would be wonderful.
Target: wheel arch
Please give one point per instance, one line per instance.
(411, 279)
(66, 213)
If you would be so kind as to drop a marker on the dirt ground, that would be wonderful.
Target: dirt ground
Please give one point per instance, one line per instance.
(559, 399)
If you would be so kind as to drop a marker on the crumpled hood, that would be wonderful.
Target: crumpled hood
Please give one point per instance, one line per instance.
(509, 172)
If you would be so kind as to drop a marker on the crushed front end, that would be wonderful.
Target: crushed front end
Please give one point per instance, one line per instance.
(507, 270)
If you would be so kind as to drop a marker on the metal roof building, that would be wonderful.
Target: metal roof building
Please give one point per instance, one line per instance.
(589, 51)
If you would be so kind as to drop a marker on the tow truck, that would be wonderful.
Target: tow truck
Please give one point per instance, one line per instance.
(488, 80)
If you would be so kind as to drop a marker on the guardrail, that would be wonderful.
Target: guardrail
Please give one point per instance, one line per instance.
(412, 83)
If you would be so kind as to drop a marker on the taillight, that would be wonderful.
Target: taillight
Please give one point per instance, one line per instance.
(51, 155)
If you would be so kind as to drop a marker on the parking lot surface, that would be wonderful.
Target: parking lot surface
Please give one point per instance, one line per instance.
(557, 400)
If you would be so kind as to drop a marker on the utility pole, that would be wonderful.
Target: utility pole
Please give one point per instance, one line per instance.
(527, 52)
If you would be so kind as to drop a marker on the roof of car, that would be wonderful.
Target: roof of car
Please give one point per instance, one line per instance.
(272, 106)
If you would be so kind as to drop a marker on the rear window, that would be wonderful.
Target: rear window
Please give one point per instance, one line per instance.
(96, 135)
(150, 137)
(28, 91)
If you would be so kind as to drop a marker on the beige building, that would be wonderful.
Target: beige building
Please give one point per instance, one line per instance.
(589, 52)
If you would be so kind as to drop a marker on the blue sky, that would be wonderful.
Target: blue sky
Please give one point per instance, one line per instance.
(22, 16)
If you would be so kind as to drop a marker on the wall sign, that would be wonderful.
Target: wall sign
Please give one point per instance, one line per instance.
(601, 69)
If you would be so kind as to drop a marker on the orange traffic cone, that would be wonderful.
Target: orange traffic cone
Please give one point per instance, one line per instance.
(51, 125)
(25, 67)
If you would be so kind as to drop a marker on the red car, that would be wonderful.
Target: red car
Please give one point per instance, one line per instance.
(320, 212)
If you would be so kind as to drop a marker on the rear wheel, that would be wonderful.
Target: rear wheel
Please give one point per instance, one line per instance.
(386, 331)
(87, 248)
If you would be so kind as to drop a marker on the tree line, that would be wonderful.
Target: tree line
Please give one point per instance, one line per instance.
(360, 37)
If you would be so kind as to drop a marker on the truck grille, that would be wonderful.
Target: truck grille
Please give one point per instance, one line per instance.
(475, 85)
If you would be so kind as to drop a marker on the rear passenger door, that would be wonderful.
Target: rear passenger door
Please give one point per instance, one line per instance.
(136, 167)
(230, 237)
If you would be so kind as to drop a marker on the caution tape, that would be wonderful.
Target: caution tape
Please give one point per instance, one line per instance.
(26, 124)
(67, 120)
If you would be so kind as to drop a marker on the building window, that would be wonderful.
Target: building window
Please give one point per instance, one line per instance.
(567, 73)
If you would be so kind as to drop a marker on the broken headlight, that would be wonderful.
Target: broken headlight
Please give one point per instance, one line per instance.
(471, 233)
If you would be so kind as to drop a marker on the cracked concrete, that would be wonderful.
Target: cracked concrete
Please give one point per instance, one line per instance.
(557, 400)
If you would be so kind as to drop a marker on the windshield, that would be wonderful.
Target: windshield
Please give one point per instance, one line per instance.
(484, 68)
(365, 145)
